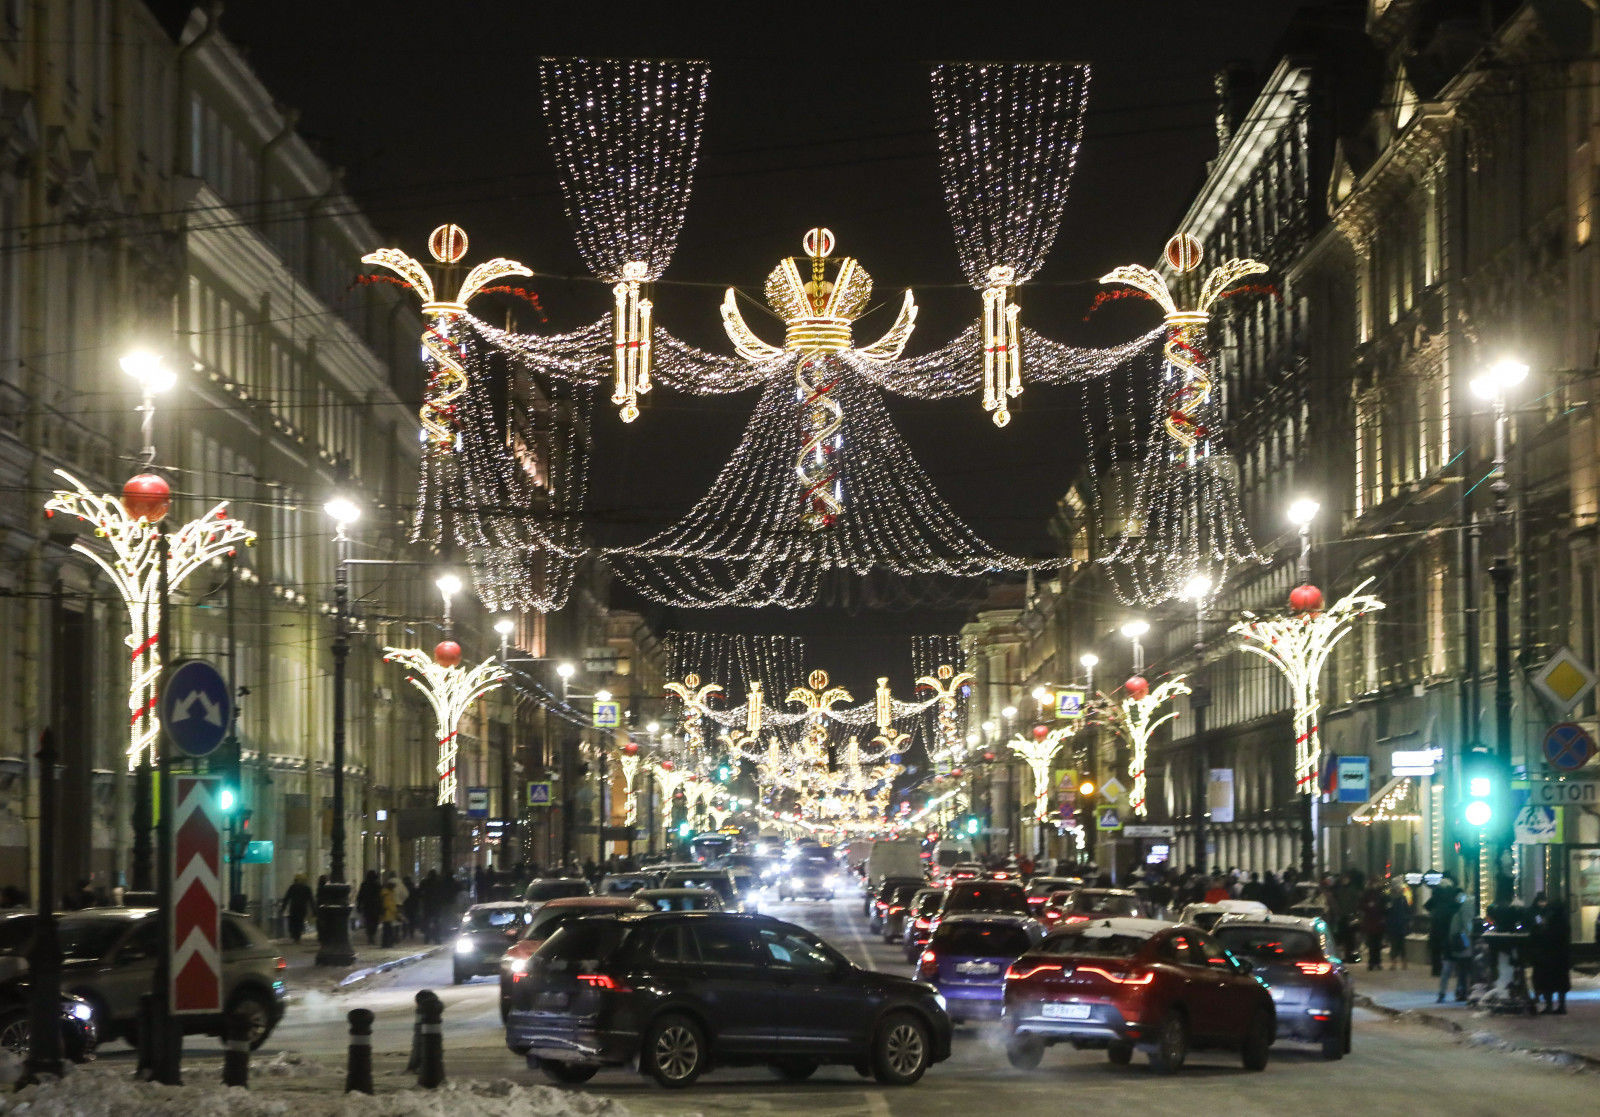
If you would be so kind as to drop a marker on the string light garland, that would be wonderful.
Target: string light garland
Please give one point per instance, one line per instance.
(450, 689)
(626, 137)
(131, 530)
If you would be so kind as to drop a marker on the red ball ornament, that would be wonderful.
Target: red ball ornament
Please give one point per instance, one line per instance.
(1040, 732)
(447, 653)
(956, 775)
(666, 765)
(631, 749)
(988, 756)
(1137, 687)
(1305, 599)
(1183, 252)
(147, 497)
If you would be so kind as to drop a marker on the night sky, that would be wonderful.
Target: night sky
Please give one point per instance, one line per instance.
(816, 115)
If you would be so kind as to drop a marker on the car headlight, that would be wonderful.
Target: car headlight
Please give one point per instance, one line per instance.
(82, 1012)
(465, 945)
(518, 965)
(943, 1004)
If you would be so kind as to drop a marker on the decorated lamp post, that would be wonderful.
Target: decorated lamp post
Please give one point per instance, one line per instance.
(694, 695)
(1136, 720)
(628, 760)
(1298, 644)
(946, 685)
(1038, 753)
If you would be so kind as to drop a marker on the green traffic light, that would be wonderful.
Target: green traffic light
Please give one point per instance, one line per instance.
(1484, 781)
(226, 799)
(683, 829)
(972, 826)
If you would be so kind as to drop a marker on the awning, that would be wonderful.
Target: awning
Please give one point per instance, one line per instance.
(1396, 801)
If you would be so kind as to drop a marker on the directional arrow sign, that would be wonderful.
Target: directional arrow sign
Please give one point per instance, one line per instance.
(196, 707)
(195, 952)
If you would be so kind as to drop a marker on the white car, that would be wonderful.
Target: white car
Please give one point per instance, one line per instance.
(1205, 916)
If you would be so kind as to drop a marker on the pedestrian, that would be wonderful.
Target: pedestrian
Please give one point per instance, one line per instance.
(428, 905)
(1457, 948)
(1441, 909)
(1272, 893)
(1550, 955)
(1374, 915)
(369, 902)
(1397, 923)
(410, 907)
(296, 905)
(1217, 891)
(391, 910)
(1252, 889)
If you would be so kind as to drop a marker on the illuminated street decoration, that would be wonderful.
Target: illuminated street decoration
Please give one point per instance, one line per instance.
(630, 762)
(1135, 718)
(946, 685)
(1038, 752)
(1298, 644)
(694, 696)
(449, 689)
(130, 528)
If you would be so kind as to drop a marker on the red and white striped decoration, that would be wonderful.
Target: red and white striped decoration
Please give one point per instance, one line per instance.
(195, 972)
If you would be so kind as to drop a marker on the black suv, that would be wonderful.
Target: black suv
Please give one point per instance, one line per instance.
(683, 991)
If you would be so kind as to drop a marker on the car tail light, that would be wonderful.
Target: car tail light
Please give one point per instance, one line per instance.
(1035, 901)
(1315, 969)
(920, 924)
(928, 965)
(1137, 978)
(1077, 919)
(280, 963)
(1016, 972)
(603, 981)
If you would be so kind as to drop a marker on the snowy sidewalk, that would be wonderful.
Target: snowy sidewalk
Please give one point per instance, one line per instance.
(1413, 994)
(304, 973)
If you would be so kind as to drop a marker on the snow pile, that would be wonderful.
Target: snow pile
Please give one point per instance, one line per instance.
(103, 1092)
(286, 1064)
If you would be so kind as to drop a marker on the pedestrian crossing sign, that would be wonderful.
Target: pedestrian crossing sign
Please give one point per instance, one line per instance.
(1108, 818)
(607, 715)
(539, 793)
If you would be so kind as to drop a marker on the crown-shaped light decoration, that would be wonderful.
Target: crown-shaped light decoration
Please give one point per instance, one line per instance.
(1185, 344)
(448, 381)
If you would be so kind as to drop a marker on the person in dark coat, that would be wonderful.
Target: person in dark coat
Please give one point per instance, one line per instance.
(1397, 923)
(369, 902)
(296, 904)
(1550, 955)
(1373, 911)
(1441, 909)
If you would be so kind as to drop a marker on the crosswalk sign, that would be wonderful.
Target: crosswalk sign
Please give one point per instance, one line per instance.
(607, 715)
(1108, 818)
(539, 793)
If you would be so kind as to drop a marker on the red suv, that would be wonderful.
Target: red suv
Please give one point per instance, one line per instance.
(1123, 984)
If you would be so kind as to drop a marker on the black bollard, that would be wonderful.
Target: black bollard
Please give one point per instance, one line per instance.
(414, 1063)
(145, 1066)
(358, 1068)
(430, 1010)
(236, 1050)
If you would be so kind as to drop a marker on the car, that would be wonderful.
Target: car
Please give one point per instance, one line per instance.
(550, 916)
(621, 884)
(878, 901)
(679, 992)
(109, 959)
(747, 886)
(556, 888)
(486, 931)
(1129, 985)
(1205, 916)
(678, 899)
(890, 910)
(920, 912)
(965, 870)
(806, 880)
(79, 1036)
(1308, 900)
(719, 881)
(1311, 987)
(1081, 904)
(1040, 889)
(1000, 897)
(967, 958)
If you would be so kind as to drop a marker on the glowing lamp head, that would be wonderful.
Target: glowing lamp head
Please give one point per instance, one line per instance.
(1089, 660)
(505, 626)
(1009, 712)
(448, 584)
(1198, 588)
(149, 370)
(602, 696)
(1041, 694)
(1305, 599)
(1137, 687)
(447, 653)
(1499, 378)
(566, 671)
(147, 497)
(1303, 511)
(653, 727)
(1135, 629)
(342, 511)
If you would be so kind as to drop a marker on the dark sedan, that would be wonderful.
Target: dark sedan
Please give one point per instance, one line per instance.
(486, 931)
(1310, 985)
(79, 1036)
(682, 991)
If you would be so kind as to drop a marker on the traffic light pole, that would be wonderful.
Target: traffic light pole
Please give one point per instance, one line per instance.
(1500, 576)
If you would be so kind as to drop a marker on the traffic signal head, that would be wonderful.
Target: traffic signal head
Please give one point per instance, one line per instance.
(1484, 786)
(723, 772)
(1086, 788)
(972, 826)
(684, 829)
(226, 799)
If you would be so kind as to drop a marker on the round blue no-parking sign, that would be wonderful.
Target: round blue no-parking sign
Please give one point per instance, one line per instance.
(196, 707)
(1568, 747)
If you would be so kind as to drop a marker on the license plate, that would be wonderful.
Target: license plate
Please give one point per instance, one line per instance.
(1066, 1012)
(977, 968)
(551, 1000)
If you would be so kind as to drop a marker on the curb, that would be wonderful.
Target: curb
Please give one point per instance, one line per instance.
(355, 977)
(1479, 1038)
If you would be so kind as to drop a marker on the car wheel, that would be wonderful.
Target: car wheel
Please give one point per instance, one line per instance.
(1120, 1053)
(1024, 1052)
(900, 1050)
(257, 1011)
(568, 1074)
(1336, 1040)
(1172, 1044)
(15, 1032)
(1257, 1042)
(794, 1070)
(674, 1051)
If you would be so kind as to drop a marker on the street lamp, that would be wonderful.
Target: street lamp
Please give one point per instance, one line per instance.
(1089, 662)
(504, 627)
(333, 905)
(449, 585)
(1301, 513)
(1134, 630)
(1198, 589)
(154, 377)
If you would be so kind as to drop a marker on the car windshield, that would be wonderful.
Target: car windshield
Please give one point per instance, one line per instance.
(696, 900)
(1095, 942)
(1089, 903)
(718, 884)
(547, 920)
(621, 886)
(89, 938)
(493, 919)
(929, 902)
(556, 889)
(583, 940)
(903, 893)
(1270, 944)
(983, 940)
(987, 897)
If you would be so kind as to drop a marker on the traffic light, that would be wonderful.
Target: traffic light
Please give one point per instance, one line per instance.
(684, 829)
(972, 825)
(723, 772)
(226, 799)
(1483, 787)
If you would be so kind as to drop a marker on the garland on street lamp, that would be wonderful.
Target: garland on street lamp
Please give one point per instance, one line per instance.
(1038, 754)
(449, 689)
(1135, 719)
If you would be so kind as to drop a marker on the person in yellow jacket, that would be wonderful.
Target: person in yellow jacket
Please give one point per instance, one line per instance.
(391, 913)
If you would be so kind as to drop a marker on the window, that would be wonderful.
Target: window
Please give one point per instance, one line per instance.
(1095, 942)
(724, 944)
(1180, 950)
(675, 944)
(982, 940)
(787, 950)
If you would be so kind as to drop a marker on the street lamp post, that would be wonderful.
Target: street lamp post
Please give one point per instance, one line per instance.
(1134, 631)
(333, 905)
(1493, 385)
(1198, 589)
(1301, 513)
(504, 627)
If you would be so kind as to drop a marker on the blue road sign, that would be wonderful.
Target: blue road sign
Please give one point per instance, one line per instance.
(1568, 747)
(1355, 779)
(538, 793)
(196, 707)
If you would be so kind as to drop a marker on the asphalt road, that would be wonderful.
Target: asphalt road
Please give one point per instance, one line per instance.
(1395, 1067)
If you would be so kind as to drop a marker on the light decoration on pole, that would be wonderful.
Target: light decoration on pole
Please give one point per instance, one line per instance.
(1135, 719)
(629, 760)
(1184, 514)
(1298, 644)
(450, 689)
(946, 684)
(694, 695)
(1008, 144)
(1038, 752)
(131, 530)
